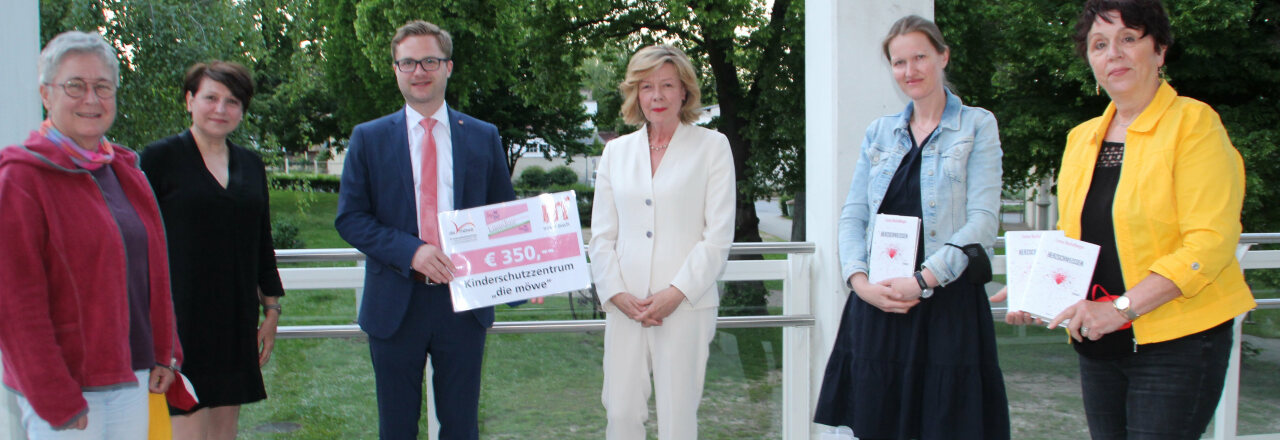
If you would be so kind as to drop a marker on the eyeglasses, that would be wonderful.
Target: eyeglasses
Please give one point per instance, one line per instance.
(429, 64)
(77, 88)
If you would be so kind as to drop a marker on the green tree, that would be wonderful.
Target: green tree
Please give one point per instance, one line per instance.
(504, 72)
(293, 110)
(750, 56)
(1025, 70)
(601, 73)
(156, 40)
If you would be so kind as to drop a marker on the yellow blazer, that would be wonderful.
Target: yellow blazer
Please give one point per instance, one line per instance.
(672, 228)
(1176, 210)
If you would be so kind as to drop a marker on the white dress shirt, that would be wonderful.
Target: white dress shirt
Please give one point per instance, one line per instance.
(444, 155)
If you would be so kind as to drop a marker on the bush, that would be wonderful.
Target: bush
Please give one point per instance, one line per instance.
(584, 212)
(284, 234)
(562, 175)
(584, 193)
(533, 177)
(305, 181)
(524, 191)
(585, 196)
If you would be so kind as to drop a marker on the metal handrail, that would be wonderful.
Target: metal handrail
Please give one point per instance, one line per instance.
(785, 247)
(757, 321)
(351, 254)
(504, 327)
(510, 327)
(1260, 237)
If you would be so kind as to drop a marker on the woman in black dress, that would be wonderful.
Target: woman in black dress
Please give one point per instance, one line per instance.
(213, 197)
(915, 356)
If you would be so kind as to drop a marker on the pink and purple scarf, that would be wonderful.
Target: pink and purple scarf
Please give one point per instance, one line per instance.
(87, 159)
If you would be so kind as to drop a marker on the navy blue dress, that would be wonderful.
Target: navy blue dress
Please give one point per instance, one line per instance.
(932, 373)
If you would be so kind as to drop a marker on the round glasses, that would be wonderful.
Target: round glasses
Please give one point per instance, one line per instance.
(77, 88)
(429, 64)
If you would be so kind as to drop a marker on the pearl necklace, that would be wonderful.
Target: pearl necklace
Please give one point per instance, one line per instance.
(659, 147)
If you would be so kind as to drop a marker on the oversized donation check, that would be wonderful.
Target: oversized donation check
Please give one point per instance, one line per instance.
(515, 250)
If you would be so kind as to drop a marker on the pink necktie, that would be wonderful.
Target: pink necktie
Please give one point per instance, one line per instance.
(428, 227)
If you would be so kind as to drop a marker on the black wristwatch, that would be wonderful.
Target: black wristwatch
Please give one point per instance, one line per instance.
(925, 291)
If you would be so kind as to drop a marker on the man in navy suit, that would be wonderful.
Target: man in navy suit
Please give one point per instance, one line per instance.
(401, 169)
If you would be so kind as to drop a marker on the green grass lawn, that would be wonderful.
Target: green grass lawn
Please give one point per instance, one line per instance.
(313, 212)
(547, 386)
(535, 386)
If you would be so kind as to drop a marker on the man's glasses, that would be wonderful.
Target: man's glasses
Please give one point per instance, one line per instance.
(77, 88)
(429, 64)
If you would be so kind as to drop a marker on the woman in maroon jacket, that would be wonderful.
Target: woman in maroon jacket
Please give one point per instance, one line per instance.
(86, 321)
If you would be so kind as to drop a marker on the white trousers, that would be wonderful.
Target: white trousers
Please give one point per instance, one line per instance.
(675, 353)
(118, 414)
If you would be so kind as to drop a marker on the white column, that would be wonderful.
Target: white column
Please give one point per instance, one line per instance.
(19, 114)
(20, 97)
(847, 85)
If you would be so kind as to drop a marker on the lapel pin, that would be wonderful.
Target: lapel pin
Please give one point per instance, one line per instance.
(459, 122)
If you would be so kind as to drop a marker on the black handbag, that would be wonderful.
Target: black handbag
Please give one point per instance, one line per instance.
(979, 270)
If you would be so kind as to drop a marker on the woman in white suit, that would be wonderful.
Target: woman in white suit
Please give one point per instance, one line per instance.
(662, 223)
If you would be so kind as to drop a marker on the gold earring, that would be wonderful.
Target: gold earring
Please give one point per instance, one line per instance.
(1097, 89)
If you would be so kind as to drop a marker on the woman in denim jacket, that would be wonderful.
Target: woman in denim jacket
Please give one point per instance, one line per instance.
(915, 357)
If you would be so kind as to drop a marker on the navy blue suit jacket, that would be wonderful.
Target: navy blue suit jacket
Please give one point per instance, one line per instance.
(377, 208)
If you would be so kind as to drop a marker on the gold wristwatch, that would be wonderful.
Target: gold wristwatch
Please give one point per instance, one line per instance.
(1122, 305)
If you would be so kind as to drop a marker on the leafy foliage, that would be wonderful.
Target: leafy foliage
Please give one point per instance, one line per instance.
(328, 183)
(1025, 70)
(323, 66)
(562, 175)
(284, 234)
(159, 39)
(749, 55)
(156, 40)
(503, 73)
(533, 177)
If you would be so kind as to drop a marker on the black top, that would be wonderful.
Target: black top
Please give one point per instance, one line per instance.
(220, 254)
(903, 195)
(1108, 280)
(141, 345)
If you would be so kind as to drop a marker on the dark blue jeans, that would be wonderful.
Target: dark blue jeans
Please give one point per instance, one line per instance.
(1167, 390)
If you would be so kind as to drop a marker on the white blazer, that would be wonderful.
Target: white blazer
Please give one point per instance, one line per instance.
(670, 228)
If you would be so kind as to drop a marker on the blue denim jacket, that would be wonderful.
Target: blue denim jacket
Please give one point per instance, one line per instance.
(959, 187)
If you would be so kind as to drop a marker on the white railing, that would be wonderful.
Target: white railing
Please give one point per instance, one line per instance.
(796, 319)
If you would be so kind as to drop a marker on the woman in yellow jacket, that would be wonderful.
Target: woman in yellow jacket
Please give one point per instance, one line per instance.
(1157, 185)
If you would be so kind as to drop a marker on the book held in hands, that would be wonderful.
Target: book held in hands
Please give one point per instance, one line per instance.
(893, 247)
(1059, 277)
(1020, 254)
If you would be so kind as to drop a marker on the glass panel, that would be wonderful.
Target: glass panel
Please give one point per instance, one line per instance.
(1260, 351)
(535, 386)
(547, 386)
(1043, 383)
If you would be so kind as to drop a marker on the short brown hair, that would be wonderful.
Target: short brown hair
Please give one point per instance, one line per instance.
(915, 23)
(645, 62)
(420, 27)
(1147, 16)
(233, 75)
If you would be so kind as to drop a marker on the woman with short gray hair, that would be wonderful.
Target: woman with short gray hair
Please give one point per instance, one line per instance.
(86, 321)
